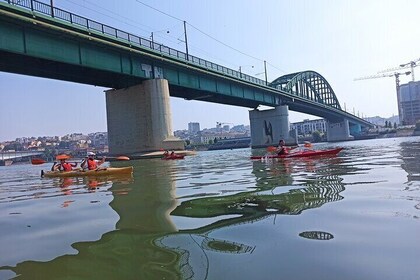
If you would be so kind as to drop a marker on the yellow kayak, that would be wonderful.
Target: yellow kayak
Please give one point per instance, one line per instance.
(92, 173)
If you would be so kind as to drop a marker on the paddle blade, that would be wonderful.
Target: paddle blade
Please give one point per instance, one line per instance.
(271, 149)
(37, 161)
(123, 158)
(62, 156)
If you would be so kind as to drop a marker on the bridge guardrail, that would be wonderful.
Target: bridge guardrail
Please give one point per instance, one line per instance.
(54, 12)
(73, 19)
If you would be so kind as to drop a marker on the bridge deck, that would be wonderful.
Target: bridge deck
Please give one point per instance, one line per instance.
(39, 40)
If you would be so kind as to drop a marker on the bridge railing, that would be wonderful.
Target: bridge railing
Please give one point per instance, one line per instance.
(91, 25)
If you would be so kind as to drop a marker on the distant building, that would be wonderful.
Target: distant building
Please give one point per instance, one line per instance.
(409, 107)
(99, 139)
(183, 134)
(308, 126)
(381, 121)
(193, 128)
(238, 128)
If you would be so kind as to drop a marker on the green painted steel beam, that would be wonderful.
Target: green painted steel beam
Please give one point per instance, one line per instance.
(32, 41)
(38, 45)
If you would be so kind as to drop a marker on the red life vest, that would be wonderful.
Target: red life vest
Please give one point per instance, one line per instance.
(283, 151)
(66, 166)
(92, 164)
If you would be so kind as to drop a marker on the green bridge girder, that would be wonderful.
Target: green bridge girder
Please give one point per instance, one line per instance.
(310, 85)
(36, 44)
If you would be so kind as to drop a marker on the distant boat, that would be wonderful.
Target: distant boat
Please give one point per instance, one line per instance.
(6, 162)
(232, 143)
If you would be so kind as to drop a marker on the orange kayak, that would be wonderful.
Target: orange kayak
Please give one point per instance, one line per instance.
(169, 157)
(91, 173)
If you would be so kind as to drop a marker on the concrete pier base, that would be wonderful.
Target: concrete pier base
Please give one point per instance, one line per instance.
(139, 119)
(338, 131)
(269, 126)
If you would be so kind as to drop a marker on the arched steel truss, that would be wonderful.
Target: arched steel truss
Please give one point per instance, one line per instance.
(310, 85)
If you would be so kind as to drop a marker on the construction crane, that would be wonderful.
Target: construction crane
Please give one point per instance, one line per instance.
(397, 85)
(395, 74)
(411, 64)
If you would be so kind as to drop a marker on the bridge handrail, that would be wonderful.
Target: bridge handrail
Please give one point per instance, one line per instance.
(54, 12)
(108, 31)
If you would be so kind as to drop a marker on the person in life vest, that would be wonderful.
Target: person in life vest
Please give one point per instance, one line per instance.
(90, 162)
(281, 149)
(307, 146)
(63, 165)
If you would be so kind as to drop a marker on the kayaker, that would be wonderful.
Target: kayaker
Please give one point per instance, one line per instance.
(90, 162)
(307, 146)
(63, 165)
(282, 149)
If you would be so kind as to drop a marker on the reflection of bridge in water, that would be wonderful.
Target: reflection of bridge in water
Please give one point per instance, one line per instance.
(253, 206)
(193, 245)
(146, 243)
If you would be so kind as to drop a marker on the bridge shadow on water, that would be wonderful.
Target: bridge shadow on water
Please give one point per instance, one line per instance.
(146, 243)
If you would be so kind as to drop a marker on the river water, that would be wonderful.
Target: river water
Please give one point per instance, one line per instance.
(219, 215)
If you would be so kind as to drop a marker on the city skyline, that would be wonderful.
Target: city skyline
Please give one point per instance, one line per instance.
(340, 40)
(96, 132)
(377, 120)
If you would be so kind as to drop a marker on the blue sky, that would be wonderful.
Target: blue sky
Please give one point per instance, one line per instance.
(341, 40)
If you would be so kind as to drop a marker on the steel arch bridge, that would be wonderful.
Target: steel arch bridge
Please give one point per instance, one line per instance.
(308, 85)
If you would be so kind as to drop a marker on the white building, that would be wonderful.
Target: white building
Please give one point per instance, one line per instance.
(308, 126)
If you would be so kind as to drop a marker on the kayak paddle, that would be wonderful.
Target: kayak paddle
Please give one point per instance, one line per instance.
(271, 149)
(120, 158)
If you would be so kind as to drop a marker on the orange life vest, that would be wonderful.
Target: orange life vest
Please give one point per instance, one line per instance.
(66, 166)
(92, 164)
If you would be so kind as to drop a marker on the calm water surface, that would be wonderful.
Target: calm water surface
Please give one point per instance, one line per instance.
(219, 215)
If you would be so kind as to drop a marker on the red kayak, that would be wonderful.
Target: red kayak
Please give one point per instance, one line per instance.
(175, 156)
(309, 153)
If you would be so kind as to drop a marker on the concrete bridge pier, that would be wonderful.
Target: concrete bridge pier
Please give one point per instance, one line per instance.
(269, 126)
(355, 128)
(139, 119)
(338, 131)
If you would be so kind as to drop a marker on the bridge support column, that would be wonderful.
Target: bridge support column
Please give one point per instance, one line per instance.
(355, 129)
(269, 126)
(338, 131)
(139, 119)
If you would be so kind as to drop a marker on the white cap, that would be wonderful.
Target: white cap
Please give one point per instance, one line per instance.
(91, 154)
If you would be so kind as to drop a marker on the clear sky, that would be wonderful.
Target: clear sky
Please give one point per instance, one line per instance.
(341, 40)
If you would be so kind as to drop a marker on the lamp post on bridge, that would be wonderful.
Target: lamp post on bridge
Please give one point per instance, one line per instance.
(152, 38)
(186, 41)
(52, 8)
(240, 69)
(265, 72)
